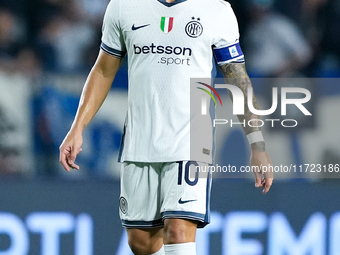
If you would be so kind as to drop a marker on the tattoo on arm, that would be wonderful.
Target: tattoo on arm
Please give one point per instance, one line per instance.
(236, 74)
(259, 146)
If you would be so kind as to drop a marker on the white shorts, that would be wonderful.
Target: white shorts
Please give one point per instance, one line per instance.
(152, 192)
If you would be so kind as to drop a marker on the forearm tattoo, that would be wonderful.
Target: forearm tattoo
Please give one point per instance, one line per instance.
(236, 74)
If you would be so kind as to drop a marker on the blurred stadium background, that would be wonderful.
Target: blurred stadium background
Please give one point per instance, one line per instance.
(47, 47)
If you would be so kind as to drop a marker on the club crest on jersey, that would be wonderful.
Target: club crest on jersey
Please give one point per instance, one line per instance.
(123, 205)
(194, 28)
(167, 24)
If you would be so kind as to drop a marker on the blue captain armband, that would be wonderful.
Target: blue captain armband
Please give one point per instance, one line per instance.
(229, 54)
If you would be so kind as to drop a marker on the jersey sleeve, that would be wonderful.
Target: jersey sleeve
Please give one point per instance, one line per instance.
(112, 36)
(226, 46)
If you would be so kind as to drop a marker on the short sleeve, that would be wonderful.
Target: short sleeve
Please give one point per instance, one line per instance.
(112, 36)
(226, 45)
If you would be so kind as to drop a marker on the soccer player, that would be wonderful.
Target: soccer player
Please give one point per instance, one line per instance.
(167, 42)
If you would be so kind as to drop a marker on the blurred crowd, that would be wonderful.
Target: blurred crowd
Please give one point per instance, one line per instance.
(62, 37)
(278, 37)
(281, 38)
(49, 35)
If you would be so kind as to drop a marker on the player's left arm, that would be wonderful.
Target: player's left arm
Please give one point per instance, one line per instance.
(236, 74)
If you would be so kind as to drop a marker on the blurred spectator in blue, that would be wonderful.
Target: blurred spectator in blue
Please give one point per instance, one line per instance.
(12, 34)
(94, 9)
(65, 38)
(38, 13)
(274, 47)
(319, 20)
(15, 55)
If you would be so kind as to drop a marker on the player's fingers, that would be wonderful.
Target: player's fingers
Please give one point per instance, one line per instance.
(70, 162)
(63, 159)
(72, 158)
(258, 180)
(267, 184)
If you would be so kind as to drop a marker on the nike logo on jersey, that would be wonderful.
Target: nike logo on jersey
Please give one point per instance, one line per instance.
(180, 201)
(136, 28)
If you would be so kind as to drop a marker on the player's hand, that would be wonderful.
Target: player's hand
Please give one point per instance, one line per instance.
(69, 149)
(265, 179)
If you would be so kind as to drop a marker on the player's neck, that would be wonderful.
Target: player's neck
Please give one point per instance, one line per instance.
(170, 1)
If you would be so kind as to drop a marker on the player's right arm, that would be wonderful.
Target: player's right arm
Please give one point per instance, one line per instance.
(95, 90)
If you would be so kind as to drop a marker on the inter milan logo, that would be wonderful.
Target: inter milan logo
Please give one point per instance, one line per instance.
(123, 205)
(167, 24)
(194, 28)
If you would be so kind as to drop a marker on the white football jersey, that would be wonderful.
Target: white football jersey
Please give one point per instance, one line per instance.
(166, 45)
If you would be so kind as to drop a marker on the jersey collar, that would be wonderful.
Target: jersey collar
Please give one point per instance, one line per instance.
(171, 4)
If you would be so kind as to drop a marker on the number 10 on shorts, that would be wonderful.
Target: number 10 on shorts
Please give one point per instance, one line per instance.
(186, 167)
